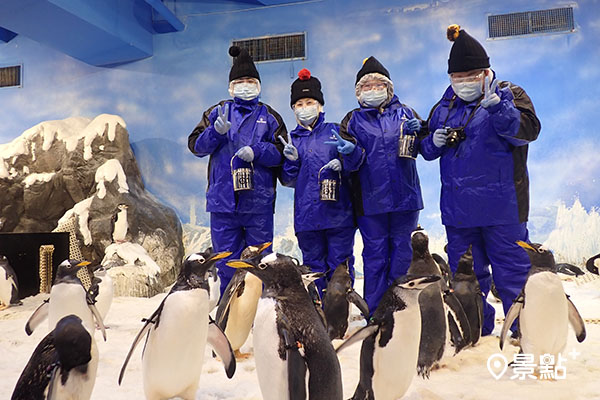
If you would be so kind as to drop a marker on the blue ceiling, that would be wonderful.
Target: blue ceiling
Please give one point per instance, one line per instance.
(107, 32)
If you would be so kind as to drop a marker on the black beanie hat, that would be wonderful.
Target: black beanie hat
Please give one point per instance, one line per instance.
(306, 86)
(466, 53)
(371, 65)
(242, 64)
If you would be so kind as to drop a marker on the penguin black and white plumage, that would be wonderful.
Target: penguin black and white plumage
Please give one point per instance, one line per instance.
(237, 307)
(442, 316)
(593, 264)
(120, 226)
(543, 308)
(466, 289)
(9, 284)
(289, 338)
(390, 348)
(103, 290)
(177, 333)
(63, 365)
(308, 279)
(569, 269)
(337, 299)
(67, 296)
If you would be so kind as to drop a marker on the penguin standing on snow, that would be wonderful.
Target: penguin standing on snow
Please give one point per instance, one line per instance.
(390, 348)
(543, 308)
(593, 264)
(102, 290)
(119, 223)
(289, 337)
(62, 366)
(466, 289)
(9, 285)
(177, 332)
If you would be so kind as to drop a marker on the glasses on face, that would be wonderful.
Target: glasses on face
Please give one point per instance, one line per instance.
(467, 79)
(373, 86)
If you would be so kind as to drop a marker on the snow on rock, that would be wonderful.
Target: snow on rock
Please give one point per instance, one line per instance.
(82, 211)
(110, 170)
(132, 269)
(100, 124)
(32, 179)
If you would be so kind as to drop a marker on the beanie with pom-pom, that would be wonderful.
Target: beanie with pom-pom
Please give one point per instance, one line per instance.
(306, 86)
(467, 53)
(371, 65)
(243, 65)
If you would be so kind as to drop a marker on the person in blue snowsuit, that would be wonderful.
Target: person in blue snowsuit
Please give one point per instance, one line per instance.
(385, 187)
(324, 228)
(483, 167)
(245, 128)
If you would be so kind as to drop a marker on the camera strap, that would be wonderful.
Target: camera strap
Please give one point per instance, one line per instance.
(451, 105)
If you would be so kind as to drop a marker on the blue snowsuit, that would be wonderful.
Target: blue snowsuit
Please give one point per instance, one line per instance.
(325, 229)
(243, 218)
(485, 187)
(386, 193)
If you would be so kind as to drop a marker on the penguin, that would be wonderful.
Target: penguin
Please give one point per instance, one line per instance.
(308, 279)
(177, 332)
(102, 290)
(9, 285)
(466, 289)
(543, 308)
(214, 287)
(569, 269)
(62, 366)
(237, 308)
(119, 223)
(336, 301)
(442, 316)
(67, 296)
(289, 338)
(390, 348)
(593, 263)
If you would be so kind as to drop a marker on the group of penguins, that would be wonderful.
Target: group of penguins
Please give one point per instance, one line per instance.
(423, 315)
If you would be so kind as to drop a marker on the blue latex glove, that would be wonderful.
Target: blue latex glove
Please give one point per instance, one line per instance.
(490, 98)
(245, 153)
(343, 146)
(412, 125)
(440, 137)
(222, 125)
(334, 165)
(289, 150)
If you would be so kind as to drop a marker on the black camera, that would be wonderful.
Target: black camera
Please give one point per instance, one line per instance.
(454, 136)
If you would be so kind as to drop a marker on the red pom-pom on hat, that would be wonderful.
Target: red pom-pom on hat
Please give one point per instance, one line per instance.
(304, 74)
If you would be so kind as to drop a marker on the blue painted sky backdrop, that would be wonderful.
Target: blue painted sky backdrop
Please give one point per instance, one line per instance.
(162, 98)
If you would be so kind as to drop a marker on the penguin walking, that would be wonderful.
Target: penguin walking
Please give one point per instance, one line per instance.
(177, 332)
(390, 348)
(63, 365)
(237, 307)
(9, 285)
(593, 264)
(289, 338)
(543, 308)
(336, 302)
(466, 289)
(119, 223)
(67, 296)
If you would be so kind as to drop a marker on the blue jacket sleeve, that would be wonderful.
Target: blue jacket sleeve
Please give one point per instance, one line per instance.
(351, 162)
(428, 150)
(204, 139)
(514, 118)
(269, 153)
(289, 173)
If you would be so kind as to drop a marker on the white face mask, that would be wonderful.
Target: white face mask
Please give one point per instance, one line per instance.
(245, 91)
(373, 98)
(306, 115)
(468, 91)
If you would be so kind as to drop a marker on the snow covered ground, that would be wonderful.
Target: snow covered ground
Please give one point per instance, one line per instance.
(464, 376)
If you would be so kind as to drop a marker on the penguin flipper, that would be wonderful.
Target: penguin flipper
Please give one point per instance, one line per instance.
(219, 342)
(576, 321)
(296, 367)
(39, 315)
(145, 329)
(460, 329)
(53, 385)
(359, 302)
(444, 267)
(98, 319)
(235, 284)
(359, 335)
(511, 316)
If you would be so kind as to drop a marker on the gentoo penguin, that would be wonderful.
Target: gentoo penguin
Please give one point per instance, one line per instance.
(62, 366)
(177, 332)
(237, 307)
(593, 264)
(390, 348)
(466, 289)
(9, 285)
(442, 315)
(119, 223)
(337, 299)
(543, 308)
(289, 337)
(67, 296)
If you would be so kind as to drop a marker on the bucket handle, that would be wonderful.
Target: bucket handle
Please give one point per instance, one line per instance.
(231, 164)
(319, 174)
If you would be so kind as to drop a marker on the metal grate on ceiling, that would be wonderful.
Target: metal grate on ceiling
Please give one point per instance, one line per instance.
(531, 23)
(275, 48)
(10, 76)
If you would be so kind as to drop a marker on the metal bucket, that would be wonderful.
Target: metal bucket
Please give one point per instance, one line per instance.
(406, 144)
(329, 188)
(242, 177)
